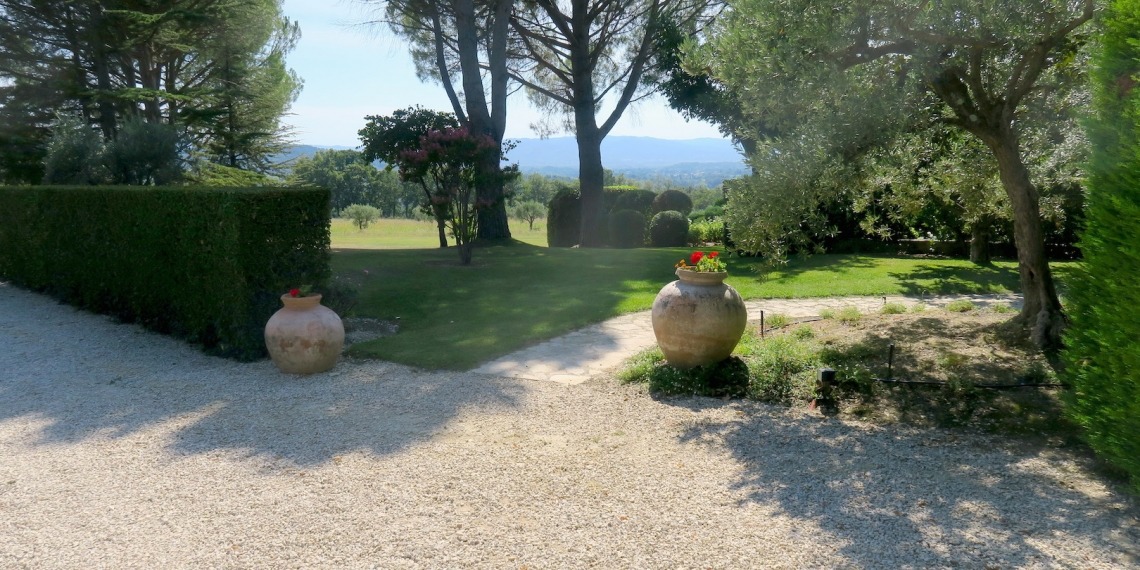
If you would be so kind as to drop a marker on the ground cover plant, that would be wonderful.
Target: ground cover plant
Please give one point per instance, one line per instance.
(955, 352)
(514, 296)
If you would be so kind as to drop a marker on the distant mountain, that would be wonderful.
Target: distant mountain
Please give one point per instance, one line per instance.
(621, 153)
(297, 151)
(688, 162)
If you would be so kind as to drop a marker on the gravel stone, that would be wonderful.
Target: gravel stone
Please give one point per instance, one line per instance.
(120, 448)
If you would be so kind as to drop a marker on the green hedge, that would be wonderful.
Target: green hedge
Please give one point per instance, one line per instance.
(564, 219)
(1103, 362)
(626, 229)
(207, 265)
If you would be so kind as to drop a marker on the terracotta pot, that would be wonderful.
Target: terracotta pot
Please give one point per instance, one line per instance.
(304, 337)
(698, 319)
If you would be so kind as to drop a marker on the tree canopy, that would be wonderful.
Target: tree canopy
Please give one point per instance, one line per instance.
(830, 82)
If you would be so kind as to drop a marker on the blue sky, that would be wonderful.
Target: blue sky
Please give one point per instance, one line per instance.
(351, 70)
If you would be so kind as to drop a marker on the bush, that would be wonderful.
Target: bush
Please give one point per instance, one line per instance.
(564, 219)
(74, 154)
(705, 231)
(626, 228)
(1101, 355)
(673, 200)
(145, 154)
(361, 215)
(636, 200)
(668, 229)
(207, 265)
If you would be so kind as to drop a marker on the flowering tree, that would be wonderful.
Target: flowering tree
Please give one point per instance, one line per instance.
(447, 166)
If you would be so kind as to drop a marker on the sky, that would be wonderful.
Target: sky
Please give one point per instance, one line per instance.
(351, 70)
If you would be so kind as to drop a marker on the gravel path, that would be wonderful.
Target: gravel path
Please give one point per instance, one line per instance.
(124, 449)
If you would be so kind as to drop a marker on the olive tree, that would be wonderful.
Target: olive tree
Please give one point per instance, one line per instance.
(834, 79)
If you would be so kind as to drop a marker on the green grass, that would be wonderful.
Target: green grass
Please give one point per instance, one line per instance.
(454, 317)
(388, 233)
(960, 306)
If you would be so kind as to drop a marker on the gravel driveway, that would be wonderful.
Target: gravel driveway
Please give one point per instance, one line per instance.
(120, 448)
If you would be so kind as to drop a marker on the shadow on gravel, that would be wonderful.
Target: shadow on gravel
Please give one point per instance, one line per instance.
(82, 375)
(897, 497)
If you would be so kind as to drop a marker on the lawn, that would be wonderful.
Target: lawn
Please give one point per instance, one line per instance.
(389, 233)
(513, 296)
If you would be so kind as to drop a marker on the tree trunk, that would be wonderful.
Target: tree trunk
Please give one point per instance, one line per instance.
(492, 219)
(591, 177)
(980, 243)
(442, 226)
(1042, 312)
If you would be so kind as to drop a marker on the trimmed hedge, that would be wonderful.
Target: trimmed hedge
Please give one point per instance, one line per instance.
(1103, 363)
(669, 229)
(627, 228)
(674, 200)
(206, 265)
(564, 219)
(637, 200)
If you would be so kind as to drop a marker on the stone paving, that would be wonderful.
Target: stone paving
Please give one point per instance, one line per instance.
(578, 356)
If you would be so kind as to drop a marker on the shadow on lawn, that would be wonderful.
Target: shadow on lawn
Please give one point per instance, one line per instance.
(756, 268)
(892, 494)
(941, 279)
(128, 382)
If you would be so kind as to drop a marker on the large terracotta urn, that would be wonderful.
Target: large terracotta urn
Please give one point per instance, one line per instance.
(304, 337)
(698, 319)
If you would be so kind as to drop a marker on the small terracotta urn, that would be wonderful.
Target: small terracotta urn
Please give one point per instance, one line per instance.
(698, 319)
(304, 337)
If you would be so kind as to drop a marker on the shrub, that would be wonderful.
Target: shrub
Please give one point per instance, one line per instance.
(705, 231)
(564, 219)
(74, 153)
(668, 229)
(673, 200)
(638, 200)
(207, 265)
(1002, 309)
(1101, 355)
(361, 215)
(626, 228)
(960, 306)
(145, 154)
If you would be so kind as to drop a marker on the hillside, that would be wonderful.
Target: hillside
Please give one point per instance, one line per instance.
(690, 162)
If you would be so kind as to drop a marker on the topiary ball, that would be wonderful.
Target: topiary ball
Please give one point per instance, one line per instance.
(669, 229)
(627, 228)
(675, 200)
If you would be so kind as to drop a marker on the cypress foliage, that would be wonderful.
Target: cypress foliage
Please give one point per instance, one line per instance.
(1102, 358)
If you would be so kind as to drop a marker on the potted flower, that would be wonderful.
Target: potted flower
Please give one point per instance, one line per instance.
(698, 319)
(304, 337)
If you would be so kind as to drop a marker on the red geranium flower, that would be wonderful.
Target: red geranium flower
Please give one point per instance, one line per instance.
(714, 254)
(695, 257)
(295, 292)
